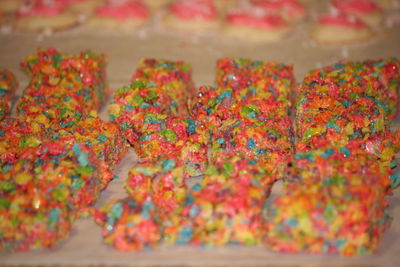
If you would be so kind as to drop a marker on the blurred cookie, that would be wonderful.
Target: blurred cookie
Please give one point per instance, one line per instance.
(224, 5)
(192, 15)
(10, 6)
(39, 15)
(389, 4)
(254, 24)
(291, 10)
(156, 4)
(119, 15)
(338, 29)
(3, 19)
(82, 6)
(366, 10)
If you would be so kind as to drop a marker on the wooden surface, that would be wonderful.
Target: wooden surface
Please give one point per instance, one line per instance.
(85, 247)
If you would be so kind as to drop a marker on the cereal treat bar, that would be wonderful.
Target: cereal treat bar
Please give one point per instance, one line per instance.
(250, 111)
(57, 155)
(64, 94)
(43, 192)
(8, 86)
(342, 170)
(104, 139)
(377, 80)
(349, 105)
(144, 116)
(63, 87)
(340, 207)
(225, 208)
(152, 113)
(156, 193)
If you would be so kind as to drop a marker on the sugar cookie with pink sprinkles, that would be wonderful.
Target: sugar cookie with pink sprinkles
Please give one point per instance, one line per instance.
(192, 15)
(291, 10)
(119, 16)
(340, 29)
(366, 10)
(254, 24)
(40, 15)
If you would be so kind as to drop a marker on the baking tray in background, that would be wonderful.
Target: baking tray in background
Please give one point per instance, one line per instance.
(85, 246)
